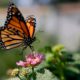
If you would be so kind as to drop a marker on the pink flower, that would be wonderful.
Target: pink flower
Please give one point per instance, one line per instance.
(31, 60)
(21, 63)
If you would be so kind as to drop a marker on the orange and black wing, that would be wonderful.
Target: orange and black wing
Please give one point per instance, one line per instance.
(15, 20)
(31, 24)
(9, 40)
(14, 30)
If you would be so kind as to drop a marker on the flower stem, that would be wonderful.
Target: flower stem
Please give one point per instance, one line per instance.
(19, 77)
(33, 74)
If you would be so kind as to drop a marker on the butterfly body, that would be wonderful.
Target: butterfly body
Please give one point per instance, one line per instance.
(17, 31)
(28, 41)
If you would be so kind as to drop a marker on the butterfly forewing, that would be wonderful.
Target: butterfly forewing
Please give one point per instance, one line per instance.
(15, 19)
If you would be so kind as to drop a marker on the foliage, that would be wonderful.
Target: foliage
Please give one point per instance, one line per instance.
(63, 64)
(59, 64)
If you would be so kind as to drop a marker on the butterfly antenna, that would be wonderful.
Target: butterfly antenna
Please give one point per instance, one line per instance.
(39, 31)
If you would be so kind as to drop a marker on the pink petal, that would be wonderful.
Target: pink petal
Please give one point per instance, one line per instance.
(21, 63)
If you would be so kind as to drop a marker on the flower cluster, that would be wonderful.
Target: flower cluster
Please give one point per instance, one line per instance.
(57, 48)
(27, 67)
(31, 60)
(18, 72)
(13, 72)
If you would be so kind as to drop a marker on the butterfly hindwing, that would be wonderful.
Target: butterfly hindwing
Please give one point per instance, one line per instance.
(8, 40)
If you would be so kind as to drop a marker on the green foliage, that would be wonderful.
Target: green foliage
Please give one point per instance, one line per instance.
(47, 75)
(60, 62)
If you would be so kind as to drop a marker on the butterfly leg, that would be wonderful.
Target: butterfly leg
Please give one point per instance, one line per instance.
(32, 48)
(22, 52)
(23, 49)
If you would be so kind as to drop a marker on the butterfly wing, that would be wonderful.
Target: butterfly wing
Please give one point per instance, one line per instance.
(31, 24)
(14, 30)
(15, 20)
(9, 40)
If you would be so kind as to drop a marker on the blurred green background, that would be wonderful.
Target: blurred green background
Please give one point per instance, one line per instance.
(58, 22)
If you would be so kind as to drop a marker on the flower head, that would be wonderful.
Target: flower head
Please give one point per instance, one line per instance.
(13, 72)
(57, 48)
(23, 72)
(31, 60)
(34, 59)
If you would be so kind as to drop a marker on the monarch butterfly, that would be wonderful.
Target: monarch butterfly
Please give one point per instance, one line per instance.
(16, 30)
